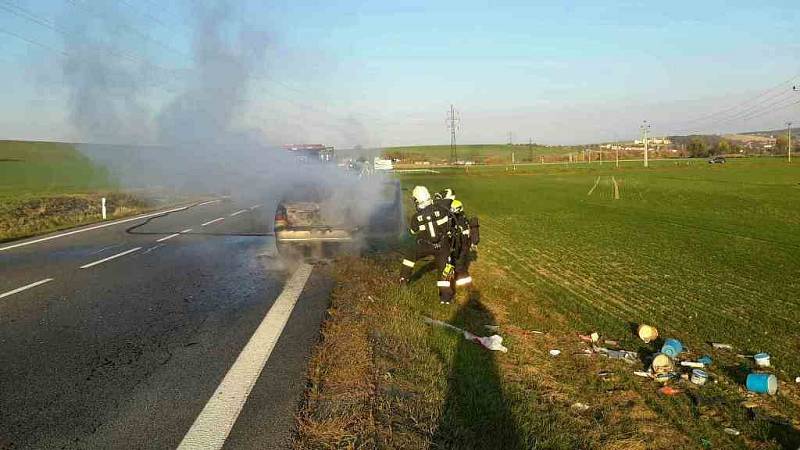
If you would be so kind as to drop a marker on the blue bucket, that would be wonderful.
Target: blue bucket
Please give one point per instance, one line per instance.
(762, 383)
(672, 347)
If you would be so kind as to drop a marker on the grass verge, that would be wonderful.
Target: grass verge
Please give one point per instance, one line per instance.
(381, 378)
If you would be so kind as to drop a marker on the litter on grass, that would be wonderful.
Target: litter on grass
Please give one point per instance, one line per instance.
(669, 390)
(721, 346)
(647, 333)
(555, 352)
(494, 342)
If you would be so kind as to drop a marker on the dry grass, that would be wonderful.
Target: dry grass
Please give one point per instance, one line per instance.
(22, 218)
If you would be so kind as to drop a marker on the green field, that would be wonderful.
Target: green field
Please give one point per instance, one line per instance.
(45, 186)
(706, 253)
(489, 153)
(42, 168)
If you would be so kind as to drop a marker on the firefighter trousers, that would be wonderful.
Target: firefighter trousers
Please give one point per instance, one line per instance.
(441, 255)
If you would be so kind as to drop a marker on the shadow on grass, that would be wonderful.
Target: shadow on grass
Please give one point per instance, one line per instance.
(476, 413)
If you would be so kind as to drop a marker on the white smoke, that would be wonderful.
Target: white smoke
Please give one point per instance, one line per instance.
(197, 145)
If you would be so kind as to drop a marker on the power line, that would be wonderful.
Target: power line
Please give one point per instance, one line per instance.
(727, 111)
(453, 123)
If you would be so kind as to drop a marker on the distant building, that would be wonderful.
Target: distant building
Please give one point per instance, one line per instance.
(653, 141)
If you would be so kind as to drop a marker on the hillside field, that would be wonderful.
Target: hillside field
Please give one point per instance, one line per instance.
(46, 186)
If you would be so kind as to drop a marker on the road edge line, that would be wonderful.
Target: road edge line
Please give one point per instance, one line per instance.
(212, 426)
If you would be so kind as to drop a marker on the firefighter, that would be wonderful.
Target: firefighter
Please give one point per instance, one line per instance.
(432, 226)
(445, 197)
(462, 244)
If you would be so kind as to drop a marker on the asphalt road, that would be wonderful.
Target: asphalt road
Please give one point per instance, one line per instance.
(119, 339)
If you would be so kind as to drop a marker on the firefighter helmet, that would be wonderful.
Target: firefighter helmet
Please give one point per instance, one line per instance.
(449, 194)
(421, 196)
(457, 207)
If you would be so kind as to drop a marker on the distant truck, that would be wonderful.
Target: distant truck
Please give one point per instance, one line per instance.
(312, 153)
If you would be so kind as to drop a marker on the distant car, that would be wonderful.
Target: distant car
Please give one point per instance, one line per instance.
(717, 160)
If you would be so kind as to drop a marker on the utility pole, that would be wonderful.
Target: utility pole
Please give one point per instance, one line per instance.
(530, 148)
(453, 122)
(645, 128)
(617, 147)
(789, 140)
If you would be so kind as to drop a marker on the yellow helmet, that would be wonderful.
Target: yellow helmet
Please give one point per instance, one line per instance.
(456, 206)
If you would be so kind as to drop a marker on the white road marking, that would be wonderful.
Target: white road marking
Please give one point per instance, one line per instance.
(83, 230)
(186, 230)
(238, 212)
(212, 426)
(155, 247)
(166, 238)
(255, 206)
(105, 248)
(86, 266)
(27, 286)
(208, 202)
(212, 221)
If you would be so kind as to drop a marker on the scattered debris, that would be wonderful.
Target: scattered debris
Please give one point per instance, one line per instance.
(662, 364)
(555, 352)
(693, 364)
(797, 380)
(665, 377)
(641, 373)
(672, 348)
(705, 359)
(647, 333)
(762, 383)
(604, 374)
(492, 328)
(762, 359)
(669, 390)
(625, 355)
(580, 406)
(537, 332)
(733, 431)
(494, 342)
(699, 377)
(595, 337)
(721, 346)
(610, 342)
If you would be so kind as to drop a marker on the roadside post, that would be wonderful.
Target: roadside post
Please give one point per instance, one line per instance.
(103, 207)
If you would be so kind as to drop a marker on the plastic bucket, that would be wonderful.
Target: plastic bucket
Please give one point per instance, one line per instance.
(762, 383)
(762, 359)
(662, 364)
(699, 377)
(647, 333)
(672, 348)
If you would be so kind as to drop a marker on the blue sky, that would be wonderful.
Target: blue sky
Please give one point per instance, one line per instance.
(384, 73)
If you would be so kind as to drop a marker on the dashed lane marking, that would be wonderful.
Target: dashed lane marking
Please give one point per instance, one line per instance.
(166, 238)
(212, 221)
(255, 206)
(26, 287)
(238, 212)
(126, 252)
(212, 426)
(186, 230)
